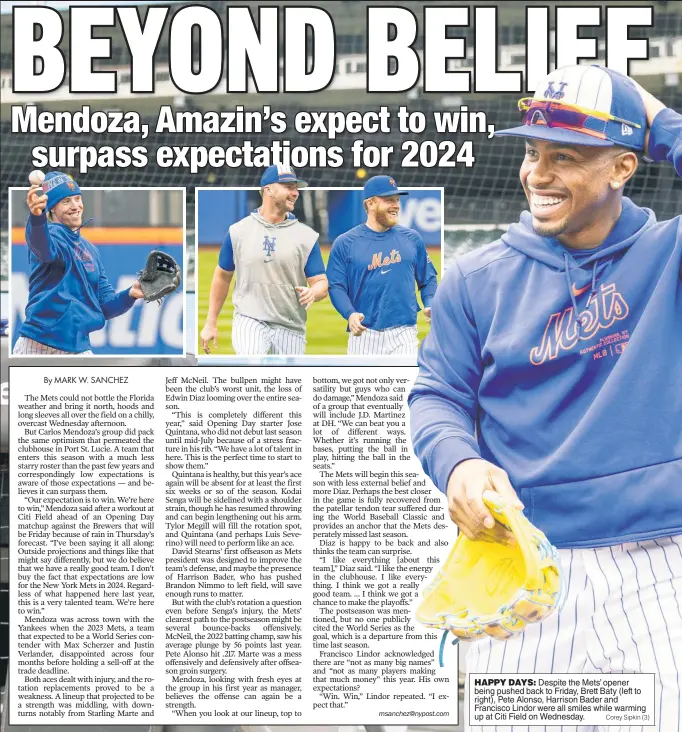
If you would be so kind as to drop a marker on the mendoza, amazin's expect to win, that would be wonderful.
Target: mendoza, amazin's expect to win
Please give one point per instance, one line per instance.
(554, 365)
(69, 293)
(372, 270)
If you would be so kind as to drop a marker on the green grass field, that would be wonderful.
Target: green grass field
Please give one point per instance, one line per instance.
(326, 332)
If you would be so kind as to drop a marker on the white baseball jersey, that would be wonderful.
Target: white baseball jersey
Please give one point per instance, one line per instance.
(401, 341)
(28, 347)
(255, 338)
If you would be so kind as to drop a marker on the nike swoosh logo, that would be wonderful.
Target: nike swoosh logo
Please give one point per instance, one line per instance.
(578, 293)
(385, 271)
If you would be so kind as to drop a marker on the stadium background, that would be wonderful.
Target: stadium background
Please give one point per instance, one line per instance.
(478, 202)
(330, 213)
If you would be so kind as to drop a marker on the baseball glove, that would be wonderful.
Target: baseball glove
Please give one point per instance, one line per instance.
(161, 276)
(491, 588)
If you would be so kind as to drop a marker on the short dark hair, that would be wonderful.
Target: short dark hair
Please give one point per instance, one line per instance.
(619, 149)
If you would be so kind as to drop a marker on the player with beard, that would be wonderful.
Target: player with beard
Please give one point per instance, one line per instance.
(279, 273)
(372, 271)
(69, 293)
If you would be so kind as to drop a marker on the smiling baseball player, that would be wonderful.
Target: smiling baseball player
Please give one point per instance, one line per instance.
(279, 273)
(372, 270)
(69, 293)
(552, 376)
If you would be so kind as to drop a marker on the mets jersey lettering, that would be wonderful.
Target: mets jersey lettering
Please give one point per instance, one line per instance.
(378, 260)
(562, 332)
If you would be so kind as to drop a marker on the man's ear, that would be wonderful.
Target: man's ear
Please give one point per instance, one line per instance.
(625, 165)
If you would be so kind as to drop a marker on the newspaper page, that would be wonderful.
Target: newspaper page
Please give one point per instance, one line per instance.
(340, 364)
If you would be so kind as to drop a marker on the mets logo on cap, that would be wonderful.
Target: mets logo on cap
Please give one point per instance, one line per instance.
(285, 171)
(552, 93)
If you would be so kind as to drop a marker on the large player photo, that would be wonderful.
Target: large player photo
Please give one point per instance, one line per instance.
(291, 270)
(96, 271)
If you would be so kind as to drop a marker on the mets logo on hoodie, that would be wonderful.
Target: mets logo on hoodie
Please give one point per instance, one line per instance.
(565, 330)
(83, 255)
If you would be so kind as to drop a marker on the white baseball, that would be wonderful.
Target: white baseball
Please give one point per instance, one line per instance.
(36, 178)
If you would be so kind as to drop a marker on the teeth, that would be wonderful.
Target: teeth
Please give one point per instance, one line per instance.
(545, 200)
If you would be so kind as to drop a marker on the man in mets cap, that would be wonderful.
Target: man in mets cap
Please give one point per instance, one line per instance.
(279, 273)
(552, 375)
(372, 272)
(70, 295)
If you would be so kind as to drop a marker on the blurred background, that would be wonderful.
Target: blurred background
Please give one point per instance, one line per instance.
(328, 212)
(127, 225)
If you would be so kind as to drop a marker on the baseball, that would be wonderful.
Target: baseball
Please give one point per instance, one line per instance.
(36, 177)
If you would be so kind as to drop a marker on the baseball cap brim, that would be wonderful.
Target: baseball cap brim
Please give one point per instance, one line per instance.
(390, 193)
(299, 183)
(554, 134)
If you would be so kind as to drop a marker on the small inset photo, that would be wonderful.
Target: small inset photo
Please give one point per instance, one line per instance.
(287, 269)
(96, 271)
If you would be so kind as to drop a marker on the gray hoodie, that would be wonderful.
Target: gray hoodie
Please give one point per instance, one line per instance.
(269, 261)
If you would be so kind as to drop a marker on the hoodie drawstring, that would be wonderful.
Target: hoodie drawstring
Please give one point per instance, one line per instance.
(593, 291)
(579, 320)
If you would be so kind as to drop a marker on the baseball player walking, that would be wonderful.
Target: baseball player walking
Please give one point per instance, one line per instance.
(69, 293)
(279, 273)
(552, 374)
(372, 270)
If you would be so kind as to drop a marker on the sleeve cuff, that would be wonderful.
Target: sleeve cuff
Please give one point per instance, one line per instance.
(447, 455)
(39, 220)
(665, 134)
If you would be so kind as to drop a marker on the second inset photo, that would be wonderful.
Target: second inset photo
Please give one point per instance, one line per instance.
(287, 269)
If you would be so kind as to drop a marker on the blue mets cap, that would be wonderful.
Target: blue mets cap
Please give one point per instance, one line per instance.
(58, 186)
(281, 174)
(584, 105)
(381, 185)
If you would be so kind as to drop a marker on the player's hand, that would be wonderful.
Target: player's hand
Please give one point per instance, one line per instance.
(209, 336)
(306, 296)
(427, 314)
(355, 324)
(35, 201)
(467, 483)
(652, 107)
(136, 290)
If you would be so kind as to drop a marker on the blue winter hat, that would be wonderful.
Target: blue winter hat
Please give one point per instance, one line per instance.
(381, 185)
(58, 186)
(584, 105)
